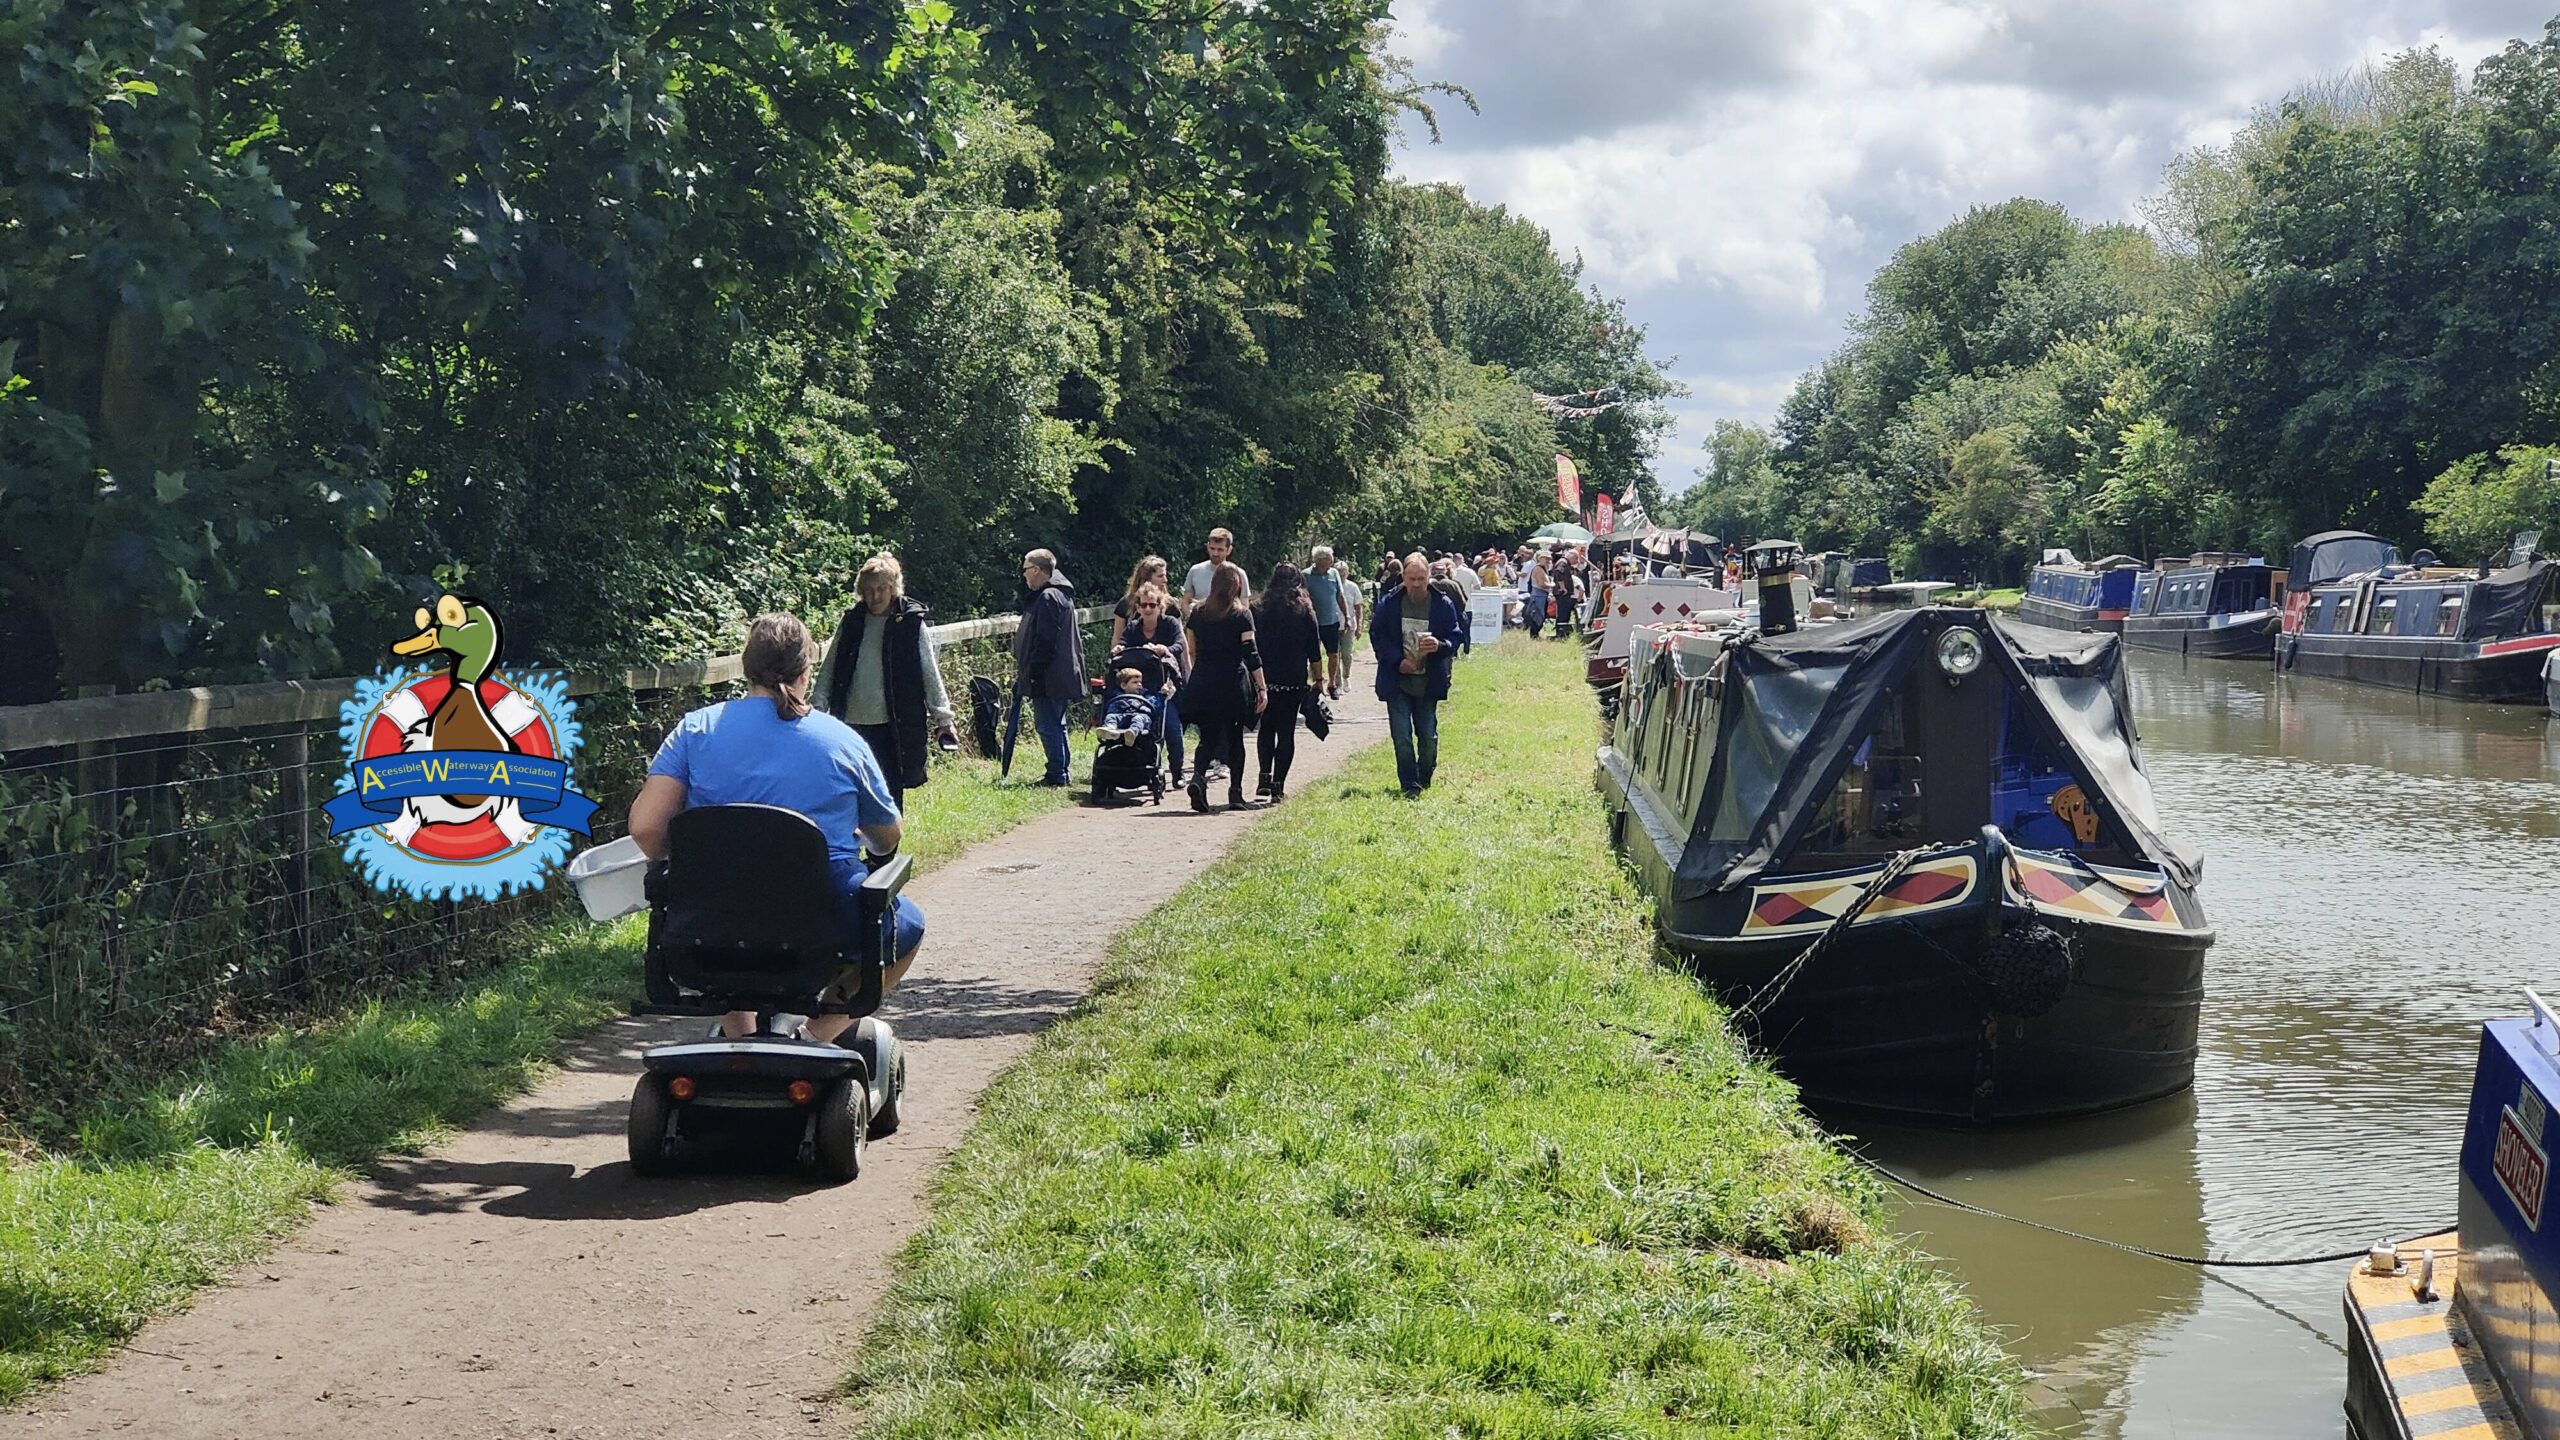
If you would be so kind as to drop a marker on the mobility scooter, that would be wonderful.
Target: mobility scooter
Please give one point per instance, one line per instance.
(743, 916)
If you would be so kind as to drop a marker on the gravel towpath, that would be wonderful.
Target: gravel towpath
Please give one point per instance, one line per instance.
(519, 1281)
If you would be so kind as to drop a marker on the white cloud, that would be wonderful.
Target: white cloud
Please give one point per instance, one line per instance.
(1739, 171)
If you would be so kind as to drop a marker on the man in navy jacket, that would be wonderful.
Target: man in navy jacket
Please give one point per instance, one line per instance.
(1414, 631)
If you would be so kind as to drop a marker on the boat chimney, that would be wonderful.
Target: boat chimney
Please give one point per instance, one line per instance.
(1773, 565)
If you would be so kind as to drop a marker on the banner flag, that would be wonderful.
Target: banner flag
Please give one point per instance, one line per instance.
(1568, 485)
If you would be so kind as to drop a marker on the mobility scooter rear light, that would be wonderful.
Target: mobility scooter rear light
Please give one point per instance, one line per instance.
(681, 1087)
(801, 1092)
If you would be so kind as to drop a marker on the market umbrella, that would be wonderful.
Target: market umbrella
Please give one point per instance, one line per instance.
(1564, 530)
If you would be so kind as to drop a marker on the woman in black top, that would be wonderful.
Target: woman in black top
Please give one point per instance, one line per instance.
(1149, 625)
(1284, 628)
(1160, 629)
(1225, 690)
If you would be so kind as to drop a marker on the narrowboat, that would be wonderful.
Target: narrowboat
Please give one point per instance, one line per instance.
(1855, 578)
(2064, 594)
(1649, 600)
(2219, 606)
(2458, 1334)
(1918, 854)
(2355, 612)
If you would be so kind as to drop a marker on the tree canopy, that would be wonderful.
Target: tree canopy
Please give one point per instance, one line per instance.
(638, 318)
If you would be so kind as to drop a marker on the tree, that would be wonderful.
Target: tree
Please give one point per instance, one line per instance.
(2481, 501)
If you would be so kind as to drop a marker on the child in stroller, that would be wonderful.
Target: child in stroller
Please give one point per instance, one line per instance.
(1128, 758)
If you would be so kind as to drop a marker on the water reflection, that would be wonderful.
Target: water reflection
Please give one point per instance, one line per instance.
(2383, 872)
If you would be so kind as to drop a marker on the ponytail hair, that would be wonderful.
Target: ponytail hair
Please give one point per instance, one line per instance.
(779, 653)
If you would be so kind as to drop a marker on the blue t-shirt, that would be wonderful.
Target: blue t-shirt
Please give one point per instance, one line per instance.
(742, 752)
(1324, 587)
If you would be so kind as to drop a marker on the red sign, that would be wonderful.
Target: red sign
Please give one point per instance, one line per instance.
(1608, 516)
(2521, 1167)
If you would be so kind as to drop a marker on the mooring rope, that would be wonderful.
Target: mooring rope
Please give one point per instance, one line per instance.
(1893, 870)
(2205, 1261)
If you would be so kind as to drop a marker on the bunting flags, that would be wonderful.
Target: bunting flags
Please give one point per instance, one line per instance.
(1582, 404)
(1568, 485)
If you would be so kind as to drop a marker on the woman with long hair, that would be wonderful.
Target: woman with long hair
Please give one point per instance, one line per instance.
(1226, 689)
(769, 747)
(883, 678)
(1293, 655)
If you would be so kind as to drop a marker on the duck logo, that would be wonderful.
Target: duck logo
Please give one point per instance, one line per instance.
(458, 777)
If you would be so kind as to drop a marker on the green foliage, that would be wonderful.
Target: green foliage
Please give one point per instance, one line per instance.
(642, 320)
(2479, 503)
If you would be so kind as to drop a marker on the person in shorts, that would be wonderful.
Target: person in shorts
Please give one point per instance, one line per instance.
(1325, 586)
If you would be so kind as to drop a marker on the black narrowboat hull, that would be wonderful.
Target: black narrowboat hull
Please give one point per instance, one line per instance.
(1918, 1008)
(2243, 637)
(2457, 669)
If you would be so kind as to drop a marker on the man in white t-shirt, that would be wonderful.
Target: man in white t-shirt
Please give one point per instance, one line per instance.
(1222, 544)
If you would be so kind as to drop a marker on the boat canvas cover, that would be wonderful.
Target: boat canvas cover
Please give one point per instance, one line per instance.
(2507, 602)
(2335, 554)
(1796, 707)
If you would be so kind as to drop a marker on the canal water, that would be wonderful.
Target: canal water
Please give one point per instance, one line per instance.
(2384, 871)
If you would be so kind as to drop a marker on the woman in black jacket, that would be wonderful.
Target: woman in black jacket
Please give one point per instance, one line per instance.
(1284, 627)
(1225, 690)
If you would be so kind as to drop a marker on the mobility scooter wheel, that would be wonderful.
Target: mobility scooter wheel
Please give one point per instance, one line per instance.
(652, 1117)
(844, 1118)
(885, 1120)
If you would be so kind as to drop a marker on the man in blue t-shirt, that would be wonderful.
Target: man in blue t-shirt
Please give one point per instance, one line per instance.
(769, 748)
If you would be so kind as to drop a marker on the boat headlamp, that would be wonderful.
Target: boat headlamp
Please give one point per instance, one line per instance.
(1959, 652)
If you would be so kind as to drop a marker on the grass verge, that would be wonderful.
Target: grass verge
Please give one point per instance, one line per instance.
(172, 1182)
(1391, 1126)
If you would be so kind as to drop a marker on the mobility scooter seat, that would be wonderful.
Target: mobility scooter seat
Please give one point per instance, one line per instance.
(744, 915)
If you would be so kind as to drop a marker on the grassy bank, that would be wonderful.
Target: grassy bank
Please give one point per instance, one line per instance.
(1390, 1126)
(168, 1184)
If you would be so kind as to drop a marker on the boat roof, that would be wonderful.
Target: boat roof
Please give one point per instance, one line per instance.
(1795, 708)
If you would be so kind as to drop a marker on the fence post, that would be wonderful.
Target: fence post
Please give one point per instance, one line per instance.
(96, 769)
(297, 865)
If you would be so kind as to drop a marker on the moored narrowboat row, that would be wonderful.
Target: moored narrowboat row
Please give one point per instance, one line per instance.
(2013, 938)
(2355, 612)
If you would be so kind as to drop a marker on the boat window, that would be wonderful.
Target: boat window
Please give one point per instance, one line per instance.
(1875, 807)
(2449, 615)
(2386, 608)
(2418, 613)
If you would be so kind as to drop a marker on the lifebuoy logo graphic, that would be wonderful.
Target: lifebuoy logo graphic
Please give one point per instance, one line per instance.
(458, 775)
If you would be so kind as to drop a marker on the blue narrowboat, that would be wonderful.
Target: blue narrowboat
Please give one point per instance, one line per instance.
(2222, 606)
(2065, 594)
(2459, 1334)
(2354, 611)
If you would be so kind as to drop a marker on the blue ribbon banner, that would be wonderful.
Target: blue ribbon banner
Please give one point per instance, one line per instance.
(537, 784)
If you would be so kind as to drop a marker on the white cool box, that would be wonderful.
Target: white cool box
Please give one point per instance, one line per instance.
(608, 879)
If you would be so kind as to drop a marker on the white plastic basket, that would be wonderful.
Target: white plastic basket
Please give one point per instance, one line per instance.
(608, 879)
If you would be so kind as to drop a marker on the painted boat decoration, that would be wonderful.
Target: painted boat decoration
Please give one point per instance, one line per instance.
(2218, 606)
(2065, 594)
(2356, 612)
(2453, 1334)
(2033, 944)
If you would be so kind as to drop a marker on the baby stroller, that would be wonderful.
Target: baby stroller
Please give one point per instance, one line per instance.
(1126, 769)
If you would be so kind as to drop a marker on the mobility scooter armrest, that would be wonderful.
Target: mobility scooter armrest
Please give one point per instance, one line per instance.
(880, 889)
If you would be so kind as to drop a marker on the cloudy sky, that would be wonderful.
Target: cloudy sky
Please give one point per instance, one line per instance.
(1737, 168)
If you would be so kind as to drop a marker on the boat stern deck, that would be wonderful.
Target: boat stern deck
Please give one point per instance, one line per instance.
(2413, 1370)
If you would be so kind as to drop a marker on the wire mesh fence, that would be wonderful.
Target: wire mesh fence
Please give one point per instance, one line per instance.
(160, 891)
